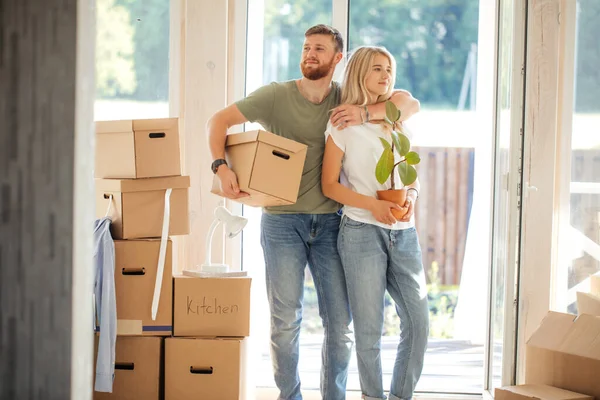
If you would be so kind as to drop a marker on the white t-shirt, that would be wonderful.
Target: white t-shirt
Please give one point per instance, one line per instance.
(362, 149)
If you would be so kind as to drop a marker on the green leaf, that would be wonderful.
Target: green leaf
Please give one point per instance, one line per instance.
(388, 121)
(402, 143)
(408, 173)
(391, 111)
(385, 165)
(386, 144)
(397, 143)
(412, 158)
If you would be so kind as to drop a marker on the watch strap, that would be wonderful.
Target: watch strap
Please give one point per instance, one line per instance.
(216, 164)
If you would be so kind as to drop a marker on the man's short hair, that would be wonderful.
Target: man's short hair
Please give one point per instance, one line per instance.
(323, 29)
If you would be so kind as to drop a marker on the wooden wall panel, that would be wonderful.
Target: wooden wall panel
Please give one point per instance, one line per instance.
(538, 228)
(38, 48)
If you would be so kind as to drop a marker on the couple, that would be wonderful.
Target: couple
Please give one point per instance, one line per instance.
(355, 258)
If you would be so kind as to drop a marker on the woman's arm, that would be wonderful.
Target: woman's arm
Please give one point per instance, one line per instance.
(332, 165)
(411, 198)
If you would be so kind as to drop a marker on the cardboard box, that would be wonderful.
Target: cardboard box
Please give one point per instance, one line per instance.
(268, 167)
(138, 369)
(537, 392)
(136, 263)
(210, 369)
(564, 352)
(144, 148)
(595, 284)
(588, 303)
(138, 205)
(211, 306)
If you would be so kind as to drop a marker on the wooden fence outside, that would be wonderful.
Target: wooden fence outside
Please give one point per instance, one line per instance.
(443, 209)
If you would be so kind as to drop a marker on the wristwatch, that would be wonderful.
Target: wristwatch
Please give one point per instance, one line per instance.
(216, 164)
(416, 191)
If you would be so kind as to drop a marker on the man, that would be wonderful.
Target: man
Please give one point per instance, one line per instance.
(306, 232)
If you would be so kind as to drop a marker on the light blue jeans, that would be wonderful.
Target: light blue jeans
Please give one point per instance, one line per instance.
(290, 242)
(376, 259)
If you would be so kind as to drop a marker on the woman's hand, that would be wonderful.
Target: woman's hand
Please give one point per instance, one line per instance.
(409, 206)
(382, 211)
(347, 115)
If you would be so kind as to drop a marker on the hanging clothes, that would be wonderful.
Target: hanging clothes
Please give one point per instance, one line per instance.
(105, 304)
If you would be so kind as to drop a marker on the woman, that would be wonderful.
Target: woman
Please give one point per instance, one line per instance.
(378, 252)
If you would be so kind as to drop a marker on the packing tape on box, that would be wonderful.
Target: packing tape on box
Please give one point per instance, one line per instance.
(110, 199)
(162, 253)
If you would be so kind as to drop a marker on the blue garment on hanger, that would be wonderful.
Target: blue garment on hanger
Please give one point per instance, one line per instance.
(106, 304)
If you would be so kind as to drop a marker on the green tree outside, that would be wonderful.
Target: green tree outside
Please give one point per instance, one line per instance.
(115, 72)
(430, 39)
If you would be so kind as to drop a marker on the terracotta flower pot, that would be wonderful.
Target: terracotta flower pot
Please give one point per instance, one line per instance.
(397, 196)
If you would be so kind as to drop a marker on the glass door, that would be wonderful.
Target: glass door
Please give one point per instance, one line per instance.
(436, 48)
(464, 213)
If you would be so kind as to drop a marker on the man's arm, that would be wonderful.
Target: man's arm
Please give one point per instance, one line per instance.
(216, 128)
(405, 102)
(348, 115)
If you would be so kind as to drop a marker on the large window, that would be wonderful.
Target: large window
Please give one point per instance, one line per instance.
(436, 47)
(579, 236)
(132, 59)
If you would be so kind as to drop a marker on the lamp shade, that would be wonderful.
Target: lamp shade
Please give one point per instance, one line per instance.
(232, 224)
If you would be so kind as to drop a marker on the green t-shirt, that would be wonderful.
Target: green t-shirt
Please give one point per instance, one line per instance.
(281, 109)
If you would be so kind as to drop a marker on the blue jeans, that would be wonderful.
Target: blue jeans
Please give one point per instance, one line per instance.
(376, 259)
(290, 242)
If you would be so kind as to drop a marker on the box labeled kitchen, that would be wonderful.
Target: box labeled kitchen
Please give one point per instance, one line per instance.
(211, 306)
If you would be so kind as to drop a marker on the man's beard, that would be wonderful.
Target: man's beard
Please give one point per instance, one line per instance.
(314, 74)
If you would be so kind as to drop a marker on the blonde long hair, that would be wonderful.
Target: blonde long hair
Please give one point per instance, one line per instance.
(359, 65)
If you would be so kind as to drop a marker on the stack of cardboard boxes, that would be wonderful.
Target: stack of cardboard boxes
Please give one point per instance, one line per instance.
(563, 355)
(207, 357)
(137, 162)
(206, 320)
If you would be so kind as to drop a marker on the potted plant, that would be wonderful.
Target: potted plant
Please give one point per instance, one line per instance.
(387, 162)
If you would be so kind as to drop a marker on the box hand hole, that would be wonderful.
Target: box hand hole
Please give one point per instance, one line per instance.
(281, 155)
(201, 370)
(134, 271)
(124, 366)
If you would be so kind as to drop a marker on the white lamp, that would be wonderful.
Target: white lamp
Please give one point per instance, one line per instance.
(233, 225)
